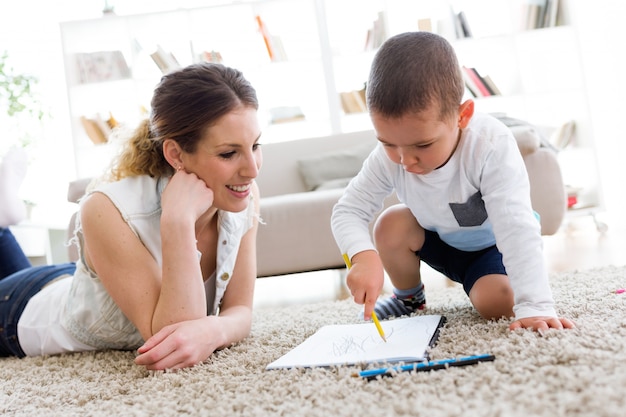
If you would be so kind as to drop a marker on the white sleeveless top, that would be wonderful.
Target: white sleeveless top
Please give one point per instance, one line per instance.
(77, 313)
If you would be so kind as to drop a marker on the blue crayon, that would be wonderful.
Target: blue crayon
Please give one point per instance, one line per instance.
(427, 366)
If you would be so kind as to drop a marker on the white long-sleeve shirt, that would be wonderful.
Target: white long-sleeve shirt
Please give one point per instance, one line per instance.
(479, 198)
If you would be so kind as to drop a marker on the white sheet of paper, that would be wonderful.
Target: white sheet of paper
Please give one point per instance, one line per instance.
(349, 344)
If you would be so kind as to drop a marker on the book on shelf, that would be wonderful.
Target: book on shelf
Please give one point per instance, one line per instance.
(353, 101)
(210, 56)
(273, 44)
(467, 32)
(564, 135)
(478, 85)
(533, 10)
(377, 34)
(267, 37)
(101, 66)
(280, 55)
(461, 25)
(474, 83)
(166, 61)
(540, 14)
(552, 13)
(487, 82)
(493, 88)
(97, 128)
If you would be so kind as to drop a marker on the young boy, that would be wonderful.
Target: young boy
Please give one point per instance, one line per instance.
(464, 191)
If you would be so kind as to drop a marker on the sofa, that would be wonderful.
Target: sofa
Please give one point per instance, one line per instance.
(548, 193)
(301, 180)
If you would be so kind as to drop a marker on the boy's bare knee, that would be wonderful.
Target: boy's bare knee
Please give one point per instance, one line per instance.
(492, 297)
(396, 227)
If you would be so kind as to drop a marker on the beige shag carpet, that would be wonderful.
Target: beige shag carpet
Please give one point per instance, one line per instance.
(579, 372)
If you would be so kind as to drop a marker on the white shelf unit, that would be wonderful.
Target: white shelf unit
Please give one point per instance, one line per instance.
(538, 71)
(298, 80)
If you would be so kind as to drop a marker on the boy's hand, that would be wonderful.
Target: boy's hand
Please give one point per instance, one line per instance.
(542, 323)
(365, 280)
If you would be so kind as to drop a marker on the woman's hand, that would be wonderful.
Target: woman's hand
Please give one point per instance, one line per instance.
(186, 193)
(181, 345)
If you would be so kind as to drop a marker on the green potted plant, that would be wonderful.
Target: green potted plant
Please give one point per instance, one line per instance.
(21, 108)
(21, 113)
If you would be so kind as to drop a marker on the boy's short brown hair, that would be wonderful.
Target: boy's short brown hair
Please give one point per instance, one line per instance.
(413, 71)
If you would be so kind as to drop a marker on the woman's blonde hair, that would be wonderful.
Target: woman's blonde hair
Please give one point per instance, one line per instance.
(184, 105)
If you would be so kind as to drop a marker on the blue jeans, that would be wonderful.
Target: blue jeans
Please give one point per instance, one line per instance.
(15, 292)
(12, 258)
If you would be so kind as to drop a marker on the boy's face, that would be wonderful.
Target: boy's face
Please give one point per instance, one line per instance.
(421, 142)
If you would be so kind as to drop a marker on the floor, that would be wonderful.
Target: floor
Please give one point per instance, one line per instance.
(577, 245)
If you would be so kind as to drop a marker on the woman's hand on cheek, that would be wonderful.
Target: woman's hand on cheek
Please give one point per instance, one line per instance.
(186, 193)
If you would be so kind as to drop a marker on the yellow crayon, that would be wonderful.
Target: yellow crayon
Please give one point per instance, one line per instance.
(381, 332)
(347, 260)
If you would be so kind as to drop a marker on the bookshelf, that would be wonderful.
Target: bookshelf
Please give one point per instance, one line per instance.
(309, 61)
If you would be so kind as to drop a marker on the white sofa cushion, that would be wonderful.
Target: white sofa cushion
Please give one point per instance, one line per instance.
(326, 168)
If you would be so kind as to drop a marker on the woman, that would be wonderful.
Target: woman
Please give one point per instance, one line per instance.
(167, 244)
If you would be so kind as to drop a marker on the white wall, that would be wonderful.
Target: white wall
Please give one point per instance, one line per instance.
(600, 24)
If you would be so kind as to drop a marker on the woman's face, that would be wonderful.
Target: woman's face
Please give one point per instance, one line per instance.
(228, 158)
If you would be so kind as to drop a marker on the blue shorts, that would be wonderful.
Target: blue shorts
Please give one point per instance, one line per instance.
(15, 292)
(460, 266)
